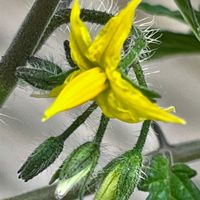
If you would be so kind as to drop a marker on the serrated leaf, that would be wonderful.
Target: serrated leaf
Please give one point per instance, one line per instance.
(44, 65)
(43, 74)
(165, 182)
(174, 43)
(189, 15)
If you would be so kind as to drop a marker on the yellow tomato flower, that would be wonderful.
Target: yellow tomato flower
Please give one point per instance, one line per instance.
(98, 77)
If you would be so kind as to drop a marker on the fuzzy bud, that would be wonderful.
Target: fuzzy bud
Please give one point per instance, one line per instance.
(79, 164)
(120, 177)
(43, 156)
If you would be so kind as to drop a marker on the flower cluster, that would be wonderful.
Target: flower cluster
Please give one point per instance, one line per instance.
(99, 78)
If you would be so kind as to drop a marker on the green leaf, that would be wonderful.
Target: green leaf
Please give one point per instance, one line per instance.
(160, 10)
(43, 74)
(164, 11)
(165, 182)
(174, 43)
(189, 15)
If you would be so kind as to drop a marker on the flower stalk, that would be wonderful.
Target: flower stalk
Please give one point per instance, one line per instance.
(47, 152)
(101, 130)
(78, 121)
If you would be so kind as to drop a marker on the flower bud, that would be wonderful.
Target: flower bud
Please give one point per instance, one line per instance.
(43, 156)
(120, 177)
(79, 164)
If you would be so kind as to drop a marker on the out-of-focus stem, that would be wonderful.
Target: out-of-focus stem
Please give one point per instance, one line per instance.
(24, 44)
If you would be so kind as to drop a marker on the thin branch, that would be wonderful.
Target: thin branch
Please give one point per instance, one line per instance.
(24, 44)
(184, 152)
(160, 135)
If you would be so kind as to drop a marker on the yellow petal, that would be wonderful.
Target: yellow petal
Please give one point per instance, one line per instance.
(82, 88)
(56, 91)
(80, 38)
(106, 48)
(128, 104)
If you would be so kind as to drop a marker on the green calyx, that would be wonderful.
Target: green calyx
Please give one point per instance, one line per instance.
(43, 156)
(120, 177)
(77, 168)
(82, 157)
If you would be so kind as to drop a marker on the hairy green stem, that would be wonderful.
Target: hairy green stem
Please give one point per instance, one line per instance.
(101, 130)
(139, 74)
(143, 136)
(146, 124)
(79, 120)
(63, 17)
(24, 44)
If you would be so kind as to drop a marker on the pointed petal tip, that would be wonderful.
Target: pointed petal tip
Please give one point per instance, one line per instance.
(44, 119)
(177, 120)
(182, 121)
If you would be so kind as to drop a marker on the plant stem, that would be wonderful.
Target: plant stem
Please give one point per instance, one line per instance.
(101, 130)
(146, 124)
(163, 144)
(139, 74)
(63, 17)
(24, 44)
(78, 121)
(143, 136)
(184, 152)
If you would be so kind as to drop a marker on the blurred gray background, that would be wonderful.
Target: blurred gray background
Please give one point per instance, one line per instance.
(176, 78)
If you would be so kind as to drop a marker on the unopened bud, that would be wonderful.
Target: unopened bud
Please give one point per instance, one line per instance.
(120, 177)
(43, 156)
(79, 164)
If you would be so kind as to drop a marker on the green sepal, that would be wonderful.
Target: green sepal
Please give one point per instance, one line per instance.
(129, 176)
(80, 158)
(126, 171)
(41, 158)
(133, 47)
(164, 181)
(150, 94)
(43, 74)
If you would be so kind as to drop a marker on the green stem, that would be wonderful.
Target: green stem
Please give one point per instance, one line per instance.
(101, 130)
(24, 44)
(139, 74)
(146, 125)
(143, 136)
(63, 17)
(79, 120)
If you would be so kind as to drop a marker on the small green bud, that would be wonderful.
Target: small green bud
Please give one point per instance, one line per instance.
(43, 156)
(120, 177)
(76, 168)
